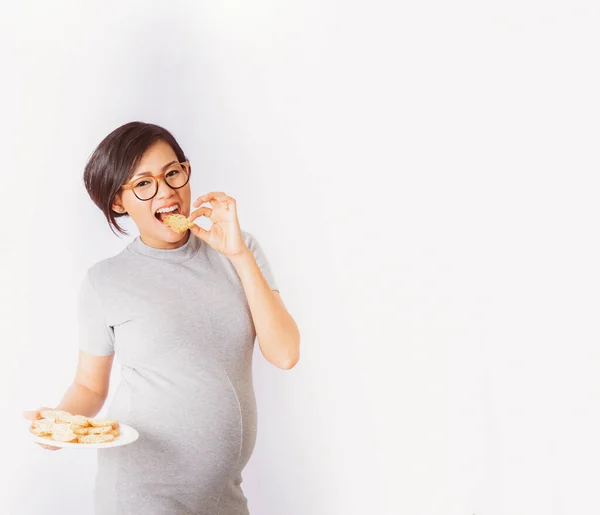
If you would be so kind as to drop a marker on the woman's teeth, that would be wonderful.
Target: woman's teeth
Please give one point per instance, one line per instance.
(165, 211)
(168, 209)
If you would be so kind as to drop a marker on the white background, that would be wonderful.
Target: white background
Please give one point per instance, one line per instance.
(423, 179)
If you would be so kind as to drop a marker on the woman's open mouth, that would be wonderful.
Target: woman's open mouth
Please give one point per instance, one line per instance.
(162, 213)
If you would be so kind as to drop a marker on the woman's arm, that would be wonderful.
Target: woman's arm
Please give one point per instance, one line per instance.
(276, 330)
(89, 390)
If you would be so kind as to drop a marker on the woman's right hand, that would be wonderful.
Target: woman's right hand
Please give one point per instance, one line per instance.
(35, 415)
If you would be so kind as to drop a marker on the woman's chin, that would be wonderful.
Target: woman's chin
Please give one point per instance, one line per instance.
(165, 233)
(172, 236)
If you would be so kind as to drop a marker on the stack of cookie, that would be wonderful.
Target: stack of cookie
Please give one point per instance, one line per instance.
(62, 426)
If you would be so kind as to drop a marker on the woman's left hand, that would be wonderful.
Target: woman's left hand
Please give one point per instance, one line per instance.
(225, 235)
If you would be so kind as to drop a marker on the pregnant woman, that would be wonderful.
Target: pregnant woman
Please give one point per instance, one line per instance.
(181, 313)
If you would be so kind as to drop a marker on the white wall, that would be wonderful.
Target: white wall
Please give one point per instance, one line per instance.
(423, 178)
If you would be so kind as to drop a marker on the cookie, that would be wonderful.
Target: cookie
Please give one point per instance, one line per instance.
(99, 430)
(96, 438)
(57, 426)
(56, 415)
(42, 431)
(80, 420)
(80, 430)
(99, 422)
(178, 223)
(64, 436)
(42, 422)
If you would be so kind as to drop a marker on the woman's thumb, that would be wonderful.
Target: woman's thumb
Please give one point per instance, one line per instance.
(35, 414)
(31, 415)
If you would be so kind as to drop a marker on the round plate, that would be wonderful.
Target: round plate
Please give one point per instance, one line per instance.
(128, 435)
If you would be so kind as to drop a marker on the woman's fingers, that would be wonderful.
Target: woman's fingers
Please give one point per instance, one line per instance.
(203, 234)
(35, 414)
(48, 447)
(214, 197)
(219, 195)
(203, 211)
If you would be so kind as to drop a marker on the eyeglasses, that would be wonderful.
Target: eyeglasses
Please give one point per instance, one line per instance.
(146, 187)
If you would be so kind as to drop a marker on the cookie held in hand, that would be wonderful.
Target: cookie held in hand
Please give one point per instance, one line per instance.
(178, 223)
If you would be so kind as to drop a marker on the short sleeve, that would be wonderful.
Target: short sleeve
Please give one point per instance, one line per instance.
(261, 259)
(95, 335)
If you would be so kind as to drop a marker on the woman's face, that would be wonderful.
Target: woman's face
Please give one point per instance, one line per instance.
(152, 231)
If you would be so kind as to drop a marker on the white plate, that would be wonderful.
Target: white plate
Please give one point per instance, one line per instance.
(128, 435)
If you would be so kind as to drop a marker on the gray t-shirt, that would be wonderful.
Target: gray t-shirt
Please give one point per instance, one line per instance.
(180, 325)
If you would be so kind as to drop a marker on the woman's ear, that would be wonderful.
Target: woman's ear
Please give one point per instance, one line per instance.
(117, 207)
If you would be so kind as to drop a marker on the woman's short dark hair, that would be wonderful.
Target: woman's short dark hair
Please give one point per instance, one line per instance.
(114, 161)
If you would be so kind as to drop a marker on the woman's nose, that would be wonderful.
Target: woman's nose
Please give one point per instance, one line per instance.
(163, 187)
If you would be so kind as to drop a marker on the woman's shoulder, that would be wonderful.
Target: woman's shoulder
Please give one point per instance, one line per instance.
(249, 239)
(112, 268)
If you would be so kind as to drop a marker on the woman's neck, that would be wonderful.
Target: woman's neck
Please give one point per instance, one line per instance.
(162, 244)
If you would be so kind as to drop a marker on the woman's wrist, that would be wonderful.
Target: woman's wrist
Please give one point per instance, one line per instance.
(241, 258)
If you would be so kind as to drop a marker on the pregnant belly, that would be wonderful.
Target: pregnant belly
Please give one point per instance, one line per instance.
(195, 433)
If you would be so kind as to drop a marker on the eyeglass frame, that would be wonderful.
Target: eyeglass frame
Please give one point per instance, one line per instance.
(130, 186)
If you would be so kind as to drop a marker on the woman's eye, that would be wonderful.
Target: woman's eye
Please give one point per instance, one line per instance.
(172, 173)
(141, 184)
